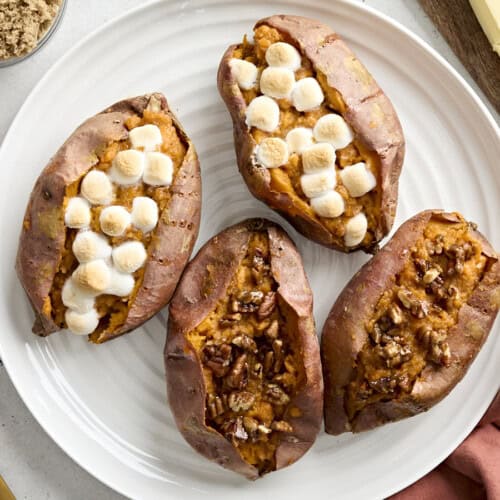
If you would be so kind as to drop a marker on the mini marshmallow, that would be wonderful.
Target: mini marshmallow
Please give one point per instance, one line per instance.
(114, 220)
(333, 129)
(272, 152)
(129, 256)
(317, 157)
(330, 204)
(144, 213)
(283, 55)
(81, 323)
(127, 167)
(263, 113)
(298, 139)
(318, 183)
(76, 298)
(77, 214)
(358, 179)
(120, 284)
(89, 246)
(307, 94)
(159, 169)
(97, 188)
(148, 137)
(277, 82)
(244, 72)
(355, 230)
(93, 276)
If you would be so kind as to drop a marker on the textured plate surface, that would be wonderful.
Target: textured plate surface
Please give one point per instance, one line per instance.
(106, 406)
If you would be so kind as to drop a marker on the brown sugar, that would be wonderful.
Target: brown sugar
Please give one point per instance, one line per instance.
(23, 23)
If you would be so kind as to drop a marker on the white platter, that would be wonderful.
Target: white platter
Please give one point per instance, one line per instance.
(106, 406)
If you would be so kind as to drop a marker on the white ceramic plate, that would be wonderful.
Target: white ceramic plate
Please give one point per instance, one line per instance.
(106, 405)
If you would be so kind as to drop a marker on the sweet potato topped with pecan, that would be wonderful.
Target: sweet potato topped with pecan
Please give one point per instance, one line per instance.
(405, 329)
(242, 357)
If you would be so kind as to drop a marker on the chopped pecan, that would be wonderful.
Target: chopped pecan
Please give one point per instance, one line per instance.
(268, 361)
(273, 330)
(375, 333)
(394, 354)
(230, 319)
(265, 430)
(267, 306)
(247, 301)
(435, 247)
(241, 401)
(431, 275)
(245, 342)
(215, 406)
(405, 297)
(435, 344)
(237, 377)
(250, 424)
(395, 314)
(278, 355)
(233, 429)
(417, 307)
(276, 395)
(259, 265)
(384, 385)
(281, 426)
(217, 358)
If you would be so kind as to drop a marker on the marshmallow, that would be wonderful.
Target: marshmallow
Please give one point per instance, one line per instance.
(148, 137)
(272, 152)
(244, 72)
(318, 183)
(159, 169)
(307, 94)
(330, 204)
(298, 139)
(263, 113)
(127, 167)
(121, 284)
(76, 298)
(77, 214)
(355, 230)
(283, 55)
(129, 256)
(358, 179)
(114, 220)
(81, 323)
(144, 213)
(97, 188)
(277, 82)
(89, 246)
(93, 277)
(317, 157)
(333, 129)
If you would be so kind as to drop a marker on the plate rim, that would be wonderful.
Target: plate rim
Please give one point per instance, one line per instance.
(115, 484)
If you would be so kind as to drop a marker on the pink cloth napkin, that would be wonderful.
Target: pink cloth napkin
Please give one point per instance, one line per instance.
(471, 472)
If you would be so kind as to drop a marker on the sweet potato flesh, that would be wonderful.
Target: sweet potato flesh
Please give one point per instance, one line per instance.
(413, 318)
(251, 365)
(113, 310)
(286, 179)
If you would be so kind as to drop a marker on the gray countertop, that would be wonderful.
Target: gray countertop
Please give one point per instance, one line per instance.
(31, 463)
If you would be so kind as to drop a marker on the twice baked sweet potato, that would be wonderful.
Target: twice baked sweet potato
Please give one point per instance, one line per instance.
(111, 222)
(405, 329)
(242, 357)
(315, 137)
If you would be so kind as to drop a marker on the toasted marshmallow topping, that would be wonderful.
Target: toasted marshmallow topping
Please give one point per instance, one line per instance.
(97, 188)
(76, 298)
(283, 55)
(81, 323)
(121, 284)
(298, 139)
(307, 94)
(244, 72)
(148, 137)
(277, 82)
(77, 214)
(159, 169)
(127, 167)
(318, 157)
(89, 246)
(144, 213)
(263, 113)
(330, 204)
(318, 183)
(334, 130)
(94, 276)
(358, 179)
(272, 152)
(355, 230)
(129, 256)
(114, 220)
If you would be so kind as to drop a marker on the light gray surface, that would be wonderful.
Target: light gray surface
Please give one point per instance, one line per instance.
(33, 465)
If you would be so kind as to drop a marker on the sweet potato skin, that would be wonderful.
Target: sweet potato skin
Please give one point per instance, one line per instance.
(43, 233)
(344, 333)
(203, 284)
(367, 110)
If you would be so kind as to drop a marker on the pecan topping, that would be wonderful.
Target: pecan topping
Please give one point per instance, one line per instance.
(278, 355)
(281, 426)
(241, 401)
(217, 358)
(245, 342)
(268, 361)
(215, 405)
(233, 429)
(267, 306)
(384, 385)
(247, 301)
(395, 314)
(434, 342)
(275, 394)
(237, 377)
(273, 330)
(431, 275)
(230, 319)
(394, 354)
(250, 424)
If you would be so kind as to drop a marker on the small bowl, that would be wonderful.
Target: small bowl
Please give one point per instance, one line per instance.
(14, 60)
